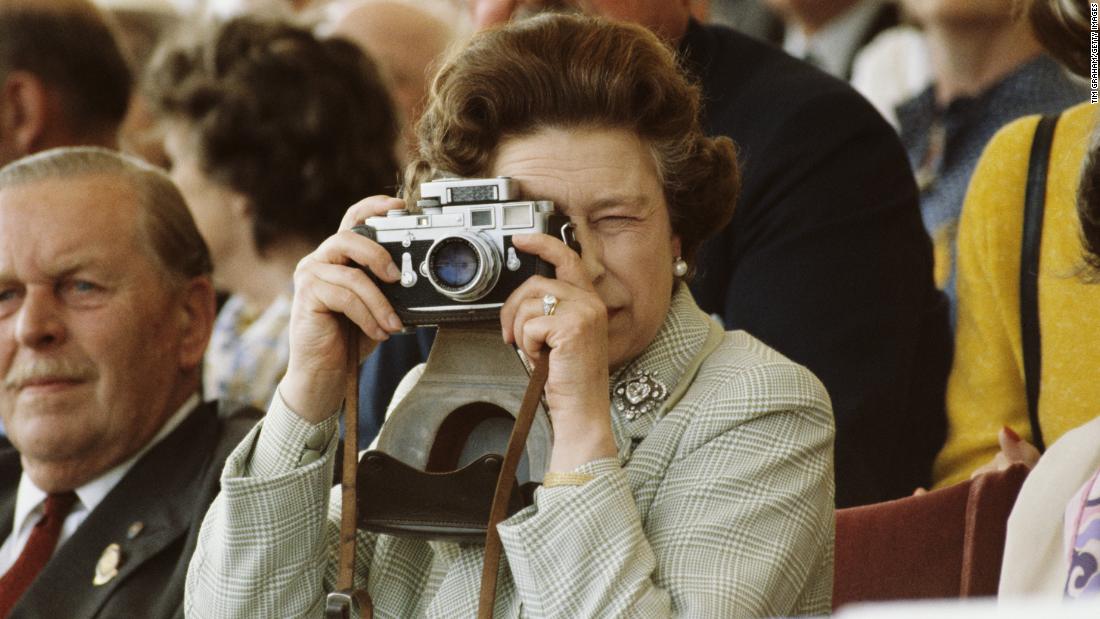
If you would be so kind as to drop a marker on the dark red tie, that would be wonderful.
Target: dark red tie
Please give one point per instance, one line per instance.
(37, 552)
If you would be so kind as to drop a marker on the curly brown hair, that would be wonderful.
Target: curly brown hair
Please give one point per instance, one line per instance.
(303, 127)
(568, 71)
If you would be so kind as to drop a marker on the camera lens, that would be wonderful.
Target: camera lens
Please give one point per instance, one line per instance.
(464, 267)
(454, 263)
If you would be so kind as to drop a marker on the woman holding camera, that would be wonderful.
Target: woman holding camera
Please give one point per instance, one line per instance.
(719, 504)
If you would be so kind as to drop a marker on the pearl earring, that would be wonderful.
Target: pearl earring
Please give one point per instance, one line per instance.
(679, 267)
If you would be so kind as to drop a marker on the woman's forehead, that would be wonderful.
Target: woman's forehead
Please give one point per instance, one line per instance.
(581, 169)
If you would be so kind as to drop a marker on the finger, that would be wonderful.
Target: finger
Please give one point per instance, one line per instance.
(920, 491)
(373, 206)
(350, 247)
(339, 300)
(1016, 449)
(522, 312)
(567, 263)
(553, 332)
(367, 292)
(534, 335)
(529, 295)
(509, 311)
(1031, 455)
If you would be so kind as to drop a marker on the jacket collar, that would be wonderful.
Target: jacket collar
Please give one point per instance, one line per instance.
(160, 491)
(666, 363)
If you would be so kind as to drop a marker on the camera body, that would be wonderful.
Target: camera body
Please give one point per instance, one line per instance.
(456, 256)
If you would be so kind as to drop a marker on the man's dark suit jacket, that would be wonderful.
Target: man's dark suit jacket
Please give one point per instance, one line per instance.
(826, 260)
(168, 491)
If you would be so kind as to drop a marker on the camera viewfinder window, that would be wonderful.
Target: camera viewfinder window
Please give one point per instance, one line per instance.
(517, 216)
(481, 218)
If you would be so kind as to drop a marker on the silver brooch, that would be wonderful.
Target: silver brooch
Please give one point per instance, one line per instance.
(639, 395)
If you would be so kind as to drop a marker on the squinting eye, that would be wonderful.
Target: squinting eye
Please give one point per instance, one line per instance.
(613, 221)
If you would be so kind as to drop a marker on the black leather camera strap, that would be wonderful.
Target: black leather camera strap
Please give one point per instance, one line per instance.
(1031, 338)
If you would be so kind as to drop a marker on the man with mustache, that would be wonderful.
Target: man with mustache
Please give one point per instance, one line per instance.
(106, 307)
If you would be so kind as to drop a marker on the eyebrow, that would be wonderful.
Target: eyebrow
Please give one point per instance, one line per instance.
(67, 268)
(619, 200)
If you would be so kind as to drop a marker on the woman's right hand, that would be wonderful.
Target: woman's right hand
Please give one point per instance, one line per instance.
(329, 285)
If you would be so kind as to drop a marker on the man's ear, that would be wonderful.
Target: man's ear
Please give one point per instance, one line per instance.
(197, 309)
(24, 103)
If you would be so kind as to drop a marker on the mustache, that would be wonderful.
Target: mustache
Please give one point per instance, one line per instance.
(26, 372)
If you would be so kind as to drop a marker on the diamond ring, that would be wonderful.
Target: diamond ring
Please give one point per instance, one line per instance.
(549, 305)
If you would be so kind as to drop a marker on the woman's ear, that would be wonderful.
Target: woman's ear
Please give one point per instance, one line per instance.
(677, 246)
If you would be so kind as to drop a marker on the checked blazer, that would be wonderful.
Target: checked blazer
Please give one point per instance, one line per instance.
(721, 506)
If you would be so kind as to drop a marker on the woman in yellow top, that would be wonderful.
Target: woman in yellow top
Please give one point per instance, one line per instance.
(985, 392)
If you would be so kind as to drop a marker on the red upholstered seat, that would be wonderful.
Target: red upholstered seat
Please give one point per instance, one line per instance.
(946, 543)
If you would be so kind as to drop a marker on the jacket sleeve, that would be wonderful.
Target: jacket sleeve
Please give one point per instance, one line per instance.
(266, 541)
(986, 390)
(741, 522)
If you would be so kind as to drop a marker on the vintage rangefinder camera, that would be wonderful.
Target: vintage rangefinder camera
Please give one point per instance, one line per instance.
(456, 256)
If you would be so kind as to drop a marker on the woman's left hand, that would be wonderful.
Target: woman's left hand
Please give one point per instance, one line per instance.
(576, 334)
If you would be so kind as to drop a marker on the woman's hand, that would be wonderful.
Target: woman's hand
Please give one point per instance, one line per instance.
(329, 285)
(576, 334)
(1014, 450)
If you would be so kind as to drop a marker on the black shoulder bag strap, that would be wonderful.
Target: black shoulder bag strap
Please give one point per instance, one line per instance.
(1029, 270)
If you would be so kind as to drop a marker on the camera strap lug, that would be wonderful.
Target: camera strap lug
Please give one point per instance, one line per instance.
(347, 604)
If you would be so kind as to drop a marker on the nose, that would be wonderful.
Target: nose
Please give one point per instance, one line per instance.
(591, 251)
(38, 323)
